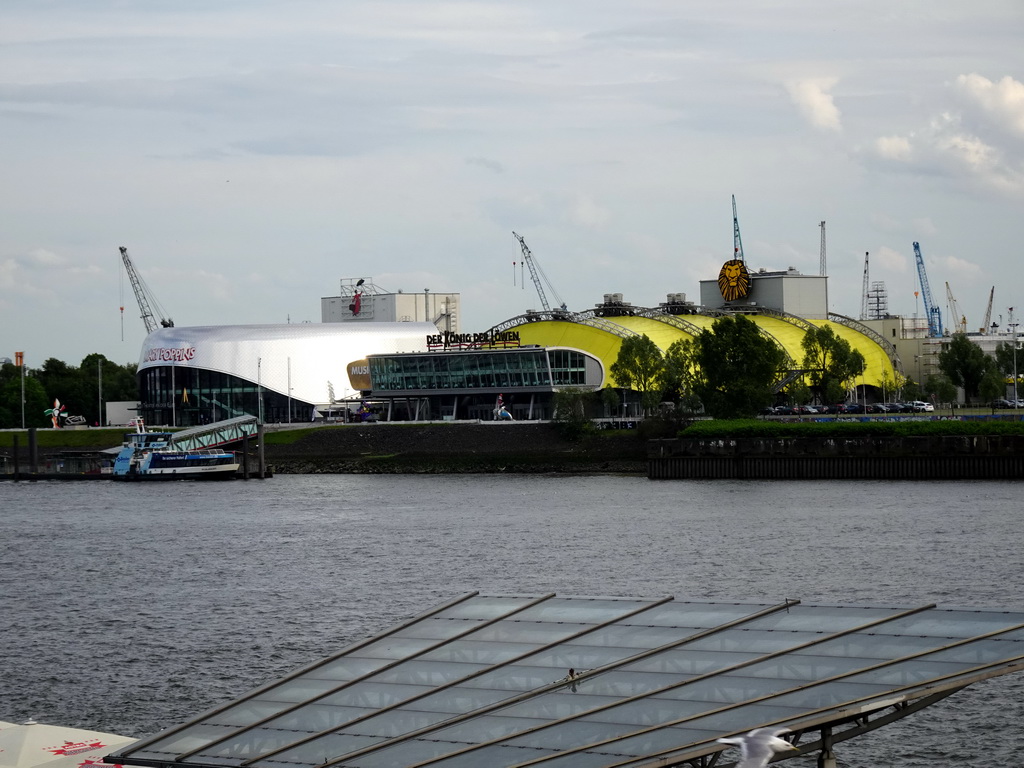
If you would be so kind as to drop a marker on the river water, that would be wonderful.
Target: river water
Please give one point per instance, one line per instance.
(131, 607)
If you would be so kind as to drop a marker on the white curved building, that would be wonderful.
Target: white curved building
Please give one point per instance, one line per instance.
(196, 375)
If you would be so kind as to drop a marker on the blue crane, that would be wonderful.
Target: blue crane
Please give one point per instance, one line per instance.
(930, 307)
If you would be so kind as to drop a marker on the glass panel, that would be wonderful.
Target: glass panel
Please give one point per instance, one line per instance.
(830, 695)
(478, 652)
(316, 718)
(487, 728)
(188, 740)
(437, 629)
(811, 618)
(622, 683)
(322, 749)
(635, 637)
(516, 677)
(396, 723)
(684, 614)
(246, 713)
(515, 631)
(685, 662)
(392, 647)
(579, 657)
(554, 706)
(951, 623)
(461, 699)
(584, 610)
(427, 672)
(572, 735)
(752, 641)
(347, 668)
(299, 689)
(374, 694)
(484, 607)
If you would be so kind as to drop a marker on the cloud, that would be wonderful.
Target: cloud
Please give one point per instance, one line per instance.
(815, 103)
(893, 148)
(891, 260)
(946, 147)
(1001, 101)
(585, 212)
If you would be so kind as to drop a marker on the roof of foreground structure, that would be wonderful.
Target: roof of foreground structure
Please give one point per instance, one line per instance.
(484, 680)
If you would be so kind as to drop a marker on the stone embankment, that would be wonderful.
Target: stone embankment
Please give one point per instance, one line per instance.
(454, 448)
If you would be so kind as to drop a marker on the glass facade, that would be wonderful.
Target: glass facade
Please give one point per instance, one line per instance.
(505, 370)
(187, 397)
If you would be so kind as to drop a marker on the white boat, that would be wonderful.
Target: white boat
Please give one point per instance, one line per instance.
(153, 456)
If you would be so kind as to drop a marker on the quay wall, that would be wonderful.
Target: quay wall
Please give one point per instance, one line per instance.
(977, 457)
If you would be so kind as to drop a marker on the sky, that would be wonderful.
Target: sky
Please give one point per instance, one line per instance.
(252, 154)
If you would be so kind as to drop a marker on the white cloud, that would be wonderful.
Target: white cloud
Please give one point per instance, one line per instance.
(1003, 101)
(896, 148)
(814, 101)
(891, 260)
(585, 212)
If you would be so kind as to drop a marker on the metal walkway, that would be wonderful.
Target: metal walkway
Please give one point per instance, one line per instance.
(213, 435)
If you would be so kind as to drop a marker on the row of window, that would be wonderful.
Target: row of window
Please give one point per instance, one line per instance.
(522, 368)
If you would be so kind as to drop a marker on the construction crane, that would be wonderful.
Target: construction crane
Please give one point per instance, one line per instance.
(821, 265)
(931, 309)
(864, 290)
(959, 326)
(986, 328)
(537, 273)
(144, 296)
(737, 241)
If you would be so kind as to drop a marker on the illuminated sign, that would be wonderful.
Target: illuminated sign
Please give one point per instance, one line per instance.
(488, 339)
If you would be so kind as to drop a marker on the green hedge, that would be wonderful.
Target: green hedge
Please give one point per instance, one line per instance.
(713, 429)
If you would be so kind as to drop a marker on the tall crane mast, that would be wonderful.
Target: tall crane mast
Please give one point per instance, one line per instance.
(959, 321)
(144, 296)
(930, 307)
(737, 241)
(988, 312)
(536, 273)
(864, 290)
(821, 265)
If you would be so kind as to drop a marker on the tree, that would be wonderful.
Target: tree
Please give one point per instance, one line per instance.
(831, 362)
(640, 367)
(993, 384)
(735, 368)
(965, 364)
(570, 415)
(940, 387)
(36, 401)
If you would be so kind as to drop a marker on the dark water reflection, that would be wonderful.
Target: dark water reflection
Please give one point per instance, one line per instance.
(128, 608)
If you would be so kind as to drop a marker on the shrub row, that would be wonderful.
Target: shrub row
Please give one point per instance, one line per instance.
(771, 429)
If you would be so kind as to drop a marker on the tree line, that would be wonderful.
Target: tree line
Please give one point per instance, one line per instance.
(77, 388)
(734, 370)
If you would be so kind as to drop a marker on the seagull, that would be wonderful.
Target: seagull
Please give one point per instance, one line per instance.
(758, 746)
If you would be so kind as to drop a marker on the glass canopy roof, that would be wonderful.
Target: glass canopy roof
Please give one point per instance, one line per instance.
(595, 682)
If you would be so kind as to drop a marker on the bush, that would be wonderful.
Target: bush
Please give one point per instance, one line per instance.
(771, 429)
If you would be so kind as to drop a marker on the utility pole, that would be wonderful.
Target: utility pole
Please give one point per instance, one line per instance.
(19, 360)
(99, 378)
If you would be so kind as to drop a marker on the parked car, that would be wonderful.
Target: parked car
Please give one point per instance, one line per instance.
(1002, 402)
(784, 410)
(921, 406)
(854, 408)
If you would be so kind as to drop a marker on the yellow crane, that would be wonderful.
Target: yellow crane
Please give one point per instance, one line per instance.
(960, 321)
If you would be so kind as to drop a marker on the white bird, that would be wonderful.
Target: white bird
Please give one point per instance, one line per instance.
(759, 746)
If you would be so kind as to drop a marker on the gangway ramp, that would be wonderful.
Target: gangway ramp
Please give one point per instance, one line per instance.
(216, 434)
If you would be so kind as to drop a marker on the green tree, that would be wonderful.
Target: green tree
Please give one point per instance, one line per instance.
(831, 362)
(735, 368)
(36, 401)
(570, 417)
(965, 364)
(640, 367)
(940, 387)
(993, 384)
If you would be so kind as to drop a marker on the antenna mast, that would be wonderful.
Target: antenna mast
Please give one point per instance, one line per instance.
(737, 241)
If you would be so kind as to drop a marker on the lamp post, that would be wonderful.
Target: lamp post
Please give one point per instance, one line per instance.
(99, 396)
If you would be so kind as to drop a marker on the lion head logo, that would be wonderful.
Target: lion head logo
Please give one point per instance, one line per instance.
(734, 280)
